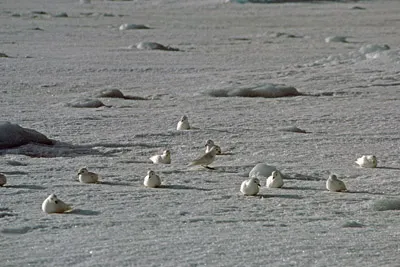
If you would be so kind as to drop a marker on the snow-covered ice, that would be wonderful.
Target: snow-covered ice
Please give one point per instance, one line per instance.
(232, 58)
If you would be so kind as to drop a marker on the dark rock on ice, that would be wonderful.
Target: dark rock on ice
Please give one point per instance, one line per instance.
(13, 135)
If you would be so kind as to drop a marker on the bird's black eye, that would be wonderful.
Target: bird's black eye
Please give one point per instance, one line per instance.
(56, 201)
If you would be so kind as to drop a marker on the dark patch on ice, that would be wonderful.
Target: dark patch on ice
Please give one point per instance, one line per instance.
(115, 93)
(3, 55)
(21, 230)
(84, 212)
(388, 168)
(39, 12)
(87, 103)
(358, 8)
(293, 129)
(154, 46)
(16, 163)
(300, 188)
(114, 183)
(352, 224)
(61, 15)
(130, 26)
(184, 187)
(386, 204)
(6, 214)
(284, 34)
(13, 135)
(267, 90)
(27, 186)
(302, 177)
(62, 149)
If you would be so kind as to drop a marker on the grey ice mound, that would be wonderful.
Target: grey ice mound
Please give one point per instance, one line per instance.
(154, 46)
(115, 93)
(86, 103)
(261, 170)
(267, 90)
(13, 135)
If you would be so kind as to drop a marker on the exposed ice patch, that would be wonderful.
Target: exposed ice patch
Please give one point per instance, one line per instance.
(128, 26)
(386, 204)
(154, 46)
(267, 90)
(13, 135)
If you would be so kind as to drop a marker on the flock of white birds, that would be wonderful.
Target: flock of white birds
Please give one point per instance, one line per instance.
(249, 187)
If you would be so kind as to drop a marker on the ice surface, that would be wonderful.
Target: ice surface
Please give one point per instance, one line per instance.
(349, 106)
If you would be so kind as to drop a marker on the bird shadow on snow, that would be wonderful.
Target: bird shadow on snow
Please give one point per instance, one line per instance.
(114, 183)
(388, 168)
(279, 196)
(300, 188)
(302, 177)
(26, 186)
(363, 192)
(183, 187)
(84, 212)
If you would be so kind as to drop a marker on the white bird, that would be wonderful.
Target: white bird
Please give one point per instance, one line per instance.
(87, 177)
(206, 159)
(54, 205)
(3, 179)
(275, 180)
(183, 124)
(250, 187)
(164, 158)
(369, 161)
(333, 184)
(152, 179)
(210, 144)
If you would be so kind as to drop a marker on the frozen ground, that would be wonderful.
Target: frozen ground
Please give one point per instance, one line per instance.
(350, 107)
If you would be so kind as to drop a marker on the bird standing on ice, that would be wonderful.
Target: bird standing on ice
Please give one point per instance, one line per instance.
(206, 159)
(164, 158)
(333, 184)
(183, 124)
(369, 161)
(3, 179)
(250, 187)
(152, 179)
(87, 177)
(275, 180)
(210, 144)
(54, 205)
